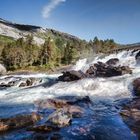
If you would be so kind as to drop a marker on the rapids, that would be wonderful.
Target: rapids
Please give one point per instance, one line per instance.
(107, 95)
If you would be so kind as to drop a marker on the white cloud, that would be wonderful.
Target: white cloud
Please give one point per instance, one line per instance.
(47, 10)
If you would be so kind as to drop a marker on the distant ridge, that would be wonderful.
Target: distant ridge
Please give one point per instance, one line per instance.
(16, 31)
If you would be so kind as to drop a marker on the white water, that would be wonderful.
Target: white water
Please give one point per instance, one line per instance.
(17, 100)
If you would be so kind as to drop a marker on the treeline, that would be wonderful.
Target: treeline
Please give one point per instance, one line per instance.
(103, 46)
(24, 53)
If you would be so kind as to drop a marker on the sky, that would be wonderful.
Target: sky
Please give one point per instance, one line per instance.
(106, 19)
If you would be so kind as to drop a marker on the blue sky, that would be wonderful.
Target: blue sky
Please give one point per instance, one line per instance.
(117, 19)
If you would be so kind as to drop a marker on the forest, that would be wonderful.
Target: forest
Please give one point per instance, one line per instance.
(24, 53)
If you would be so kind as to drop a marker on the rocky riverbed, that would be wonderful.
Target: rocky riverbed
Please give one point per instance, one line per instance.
(96, 99)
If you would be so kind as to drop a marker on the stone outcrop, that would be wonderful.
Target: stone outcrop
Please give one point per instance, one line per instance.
(19, 121)
(104, 70)
(98, 69)
(131, 115)
(71, 76)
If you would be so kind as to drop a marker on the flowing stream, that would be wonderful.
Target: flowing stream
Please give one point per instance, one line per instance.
(107, 94)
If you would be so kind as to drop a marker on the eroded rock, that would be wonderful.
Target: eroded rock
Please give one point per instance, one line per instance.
(98, 69)
(131, 115)
(60, 117)
(112, 62)
(18, 121)
(72, 76)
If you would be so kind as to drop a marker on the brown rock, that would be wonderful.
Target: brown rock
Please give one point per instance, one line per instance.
(131, 115)
(112, 61)
(71, 76)
(18, 121)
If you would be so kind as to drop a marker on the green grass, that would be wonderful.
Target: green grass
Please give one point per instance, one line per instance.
(5, 39)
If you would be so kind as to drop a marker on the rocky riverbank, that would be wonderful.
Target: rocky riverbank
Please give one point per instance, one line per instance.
(131, 111)
(97, 100)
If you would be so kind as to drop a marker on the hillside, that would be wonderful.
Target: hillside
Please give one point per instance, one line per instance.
(33, 47)
(17, 31)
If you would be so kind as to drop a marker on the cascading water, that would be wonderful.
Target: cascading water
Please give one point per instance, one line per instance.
(106, 94)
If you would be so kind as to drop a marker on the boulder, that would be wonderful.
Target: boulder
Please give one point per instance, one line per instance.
(60, 118)
(112, 62)
(18, 121)
(136, 86)
(50, 104)
(30, 82)
(66, 105)
(100, 69)
(71, 76)
(69, 102)
(131, 115)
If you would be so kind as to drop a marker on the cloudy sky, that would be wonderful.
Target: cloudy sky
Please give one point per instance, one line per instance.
(117, 19)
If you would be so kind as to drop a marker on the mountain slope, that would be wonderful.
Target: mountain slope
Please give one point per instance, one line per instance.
(17, 31)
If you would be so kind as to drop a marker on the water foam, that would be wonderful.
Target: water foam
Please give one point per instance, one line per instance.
(99, 89)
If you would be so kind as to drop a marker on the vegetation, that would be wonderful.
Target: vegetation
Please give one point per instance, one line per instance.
(56, 51)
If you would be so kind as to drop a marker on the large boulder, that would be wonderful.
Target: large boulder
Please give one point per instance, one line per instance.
(62, 102)
(100, 69)
(2, 70)
(70, 106)
(136, 86)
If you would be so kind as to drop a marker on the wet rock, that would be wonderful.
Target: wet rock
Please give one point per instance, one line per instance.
(77, 100)
(43, 128)
(91, 72)
(98, 69)
(61, 102)
(137, 57)
(57, 104)
(3, 85)
(18, 121)
(11, 81)
(131, 115)
(71, 76)
(60, 118)
(112, 62)
(104, 70)
(30, 82)
(136, 86)
(56, 136)
(23, 84)
(50, 104)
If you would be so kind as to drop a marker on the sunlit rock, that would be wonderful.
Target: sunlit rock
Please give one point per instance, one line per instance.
(18, 121)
